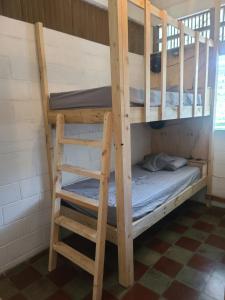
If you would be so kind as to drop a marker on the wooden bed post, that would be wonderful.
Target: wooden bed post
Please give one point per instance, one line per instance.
(118, 29)
(164, 64)
(147, 55)
(213, 82)
(44, 95)
(181, 70)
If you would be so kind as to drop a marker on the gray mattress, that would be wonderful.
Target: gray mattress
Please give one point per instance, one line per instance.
(149, 190)
(102, 97)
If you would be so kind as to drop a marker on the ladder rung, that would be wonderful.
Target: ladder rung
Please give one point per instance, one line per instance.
(77, 228)
(90, 143)
(76, 257)
(78, 199)
(80, 171)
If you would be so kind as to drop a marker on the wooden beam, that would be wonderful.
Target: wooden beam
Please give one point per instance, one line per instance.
(56, 201)
(44, 94)
(181, 59)
(213, 83)
(103, 207)
(147, 53)
(164, 64)
(118, 29)
(196, 58)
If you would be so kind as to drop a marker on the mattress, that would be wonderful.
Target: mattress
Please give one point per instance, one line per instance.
(149, 190)
(102, 97)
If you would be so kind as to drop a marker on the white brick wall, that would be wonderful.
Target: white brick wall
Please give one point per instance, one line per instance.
(24, 185)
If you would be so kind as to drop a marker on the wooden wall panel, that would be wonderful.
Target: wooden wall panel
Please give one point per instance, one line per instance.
(188, 138)
(74, 17)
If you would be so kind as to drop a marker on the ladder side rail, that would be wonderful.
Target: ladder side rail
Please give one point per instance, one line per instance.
(57, 185)
(103, 207)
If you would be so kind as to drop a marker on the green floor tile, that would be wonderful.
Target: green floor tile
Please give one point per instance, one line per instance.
(41, 265)
(155, 281)
(179, 254)
(210, 219)
(185, 221)
(112, 285)
(219, 231)
(41, 289)
(196, 234)
(7, 289)
(193, 278)
(78, 288)
(211, 252)
(146, 256)
(206, 297)
(168, 236)
(215, 288)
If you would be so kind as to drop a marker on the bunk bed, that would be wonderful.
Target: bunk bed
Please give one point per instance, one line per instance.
(119, 96)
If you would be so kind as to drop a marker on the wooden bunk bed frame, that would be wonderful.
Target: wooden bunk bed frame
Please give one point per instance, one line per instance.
(124, 116)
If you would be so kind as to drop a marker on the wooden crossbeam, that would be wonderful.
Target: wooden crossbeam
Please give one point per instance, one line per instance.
(80, 171)
(75, 256)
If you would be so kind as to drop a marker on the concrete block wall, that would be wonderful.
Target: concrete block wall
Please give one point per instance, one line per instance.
(73, 63)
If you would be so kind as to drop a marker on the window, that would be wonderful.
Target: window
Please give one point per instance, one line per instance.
(220, 104)
(200, 21)
(222, 21)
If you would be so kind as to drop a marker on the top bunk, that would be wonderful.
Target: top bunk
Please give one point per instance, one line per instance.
(179, 89)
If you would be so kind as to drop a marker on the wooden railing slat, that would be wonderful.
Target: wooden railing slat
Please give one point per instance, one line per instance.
(196, 58)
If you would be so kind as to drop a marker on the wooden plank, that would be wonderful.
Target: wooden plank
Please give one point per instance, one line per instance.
(45, 95)
(206, 77)
(78, 228)
(91, 222)
(103, 207)
(87, 116)
(80, 171)
(87, 143)
(78, 199)
(147, 63)
(137, 114)
(195, 102)
(76, 257)
(164, 65)
(56, 203)
(215, 13)
(181, 69)
(118, 30)
(149, 220)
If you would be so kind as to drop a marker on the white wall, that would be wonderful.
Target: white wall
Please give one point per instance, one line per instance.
(219, 164)
(24, 187)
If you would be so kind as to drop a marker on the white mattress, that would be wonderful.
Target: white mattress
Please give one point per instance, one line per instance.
(149, 190)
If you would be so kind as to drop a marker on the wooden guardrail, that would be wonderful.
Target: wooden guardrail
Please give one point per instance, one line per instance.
(166, 20)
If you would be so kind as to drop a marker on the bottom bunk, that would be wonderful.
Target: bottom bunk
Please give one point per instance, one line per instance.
(154, 195)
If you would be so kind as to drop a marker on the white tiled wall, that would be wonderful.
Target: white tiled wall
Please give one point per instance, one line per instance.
(24, 184)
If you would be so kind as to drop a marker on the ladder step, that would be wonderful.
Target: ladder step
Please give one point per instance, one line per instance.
(78, 199)
(80, 171)
(75, 256)
(90, 143)
(77, 228)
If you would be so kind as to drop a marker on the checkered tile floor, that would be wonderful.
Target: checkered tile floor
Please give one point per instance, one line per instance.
(181, 258)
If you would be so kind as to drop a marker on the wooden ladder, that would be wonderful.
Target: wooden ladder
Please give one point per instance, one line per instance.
(98, 236)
